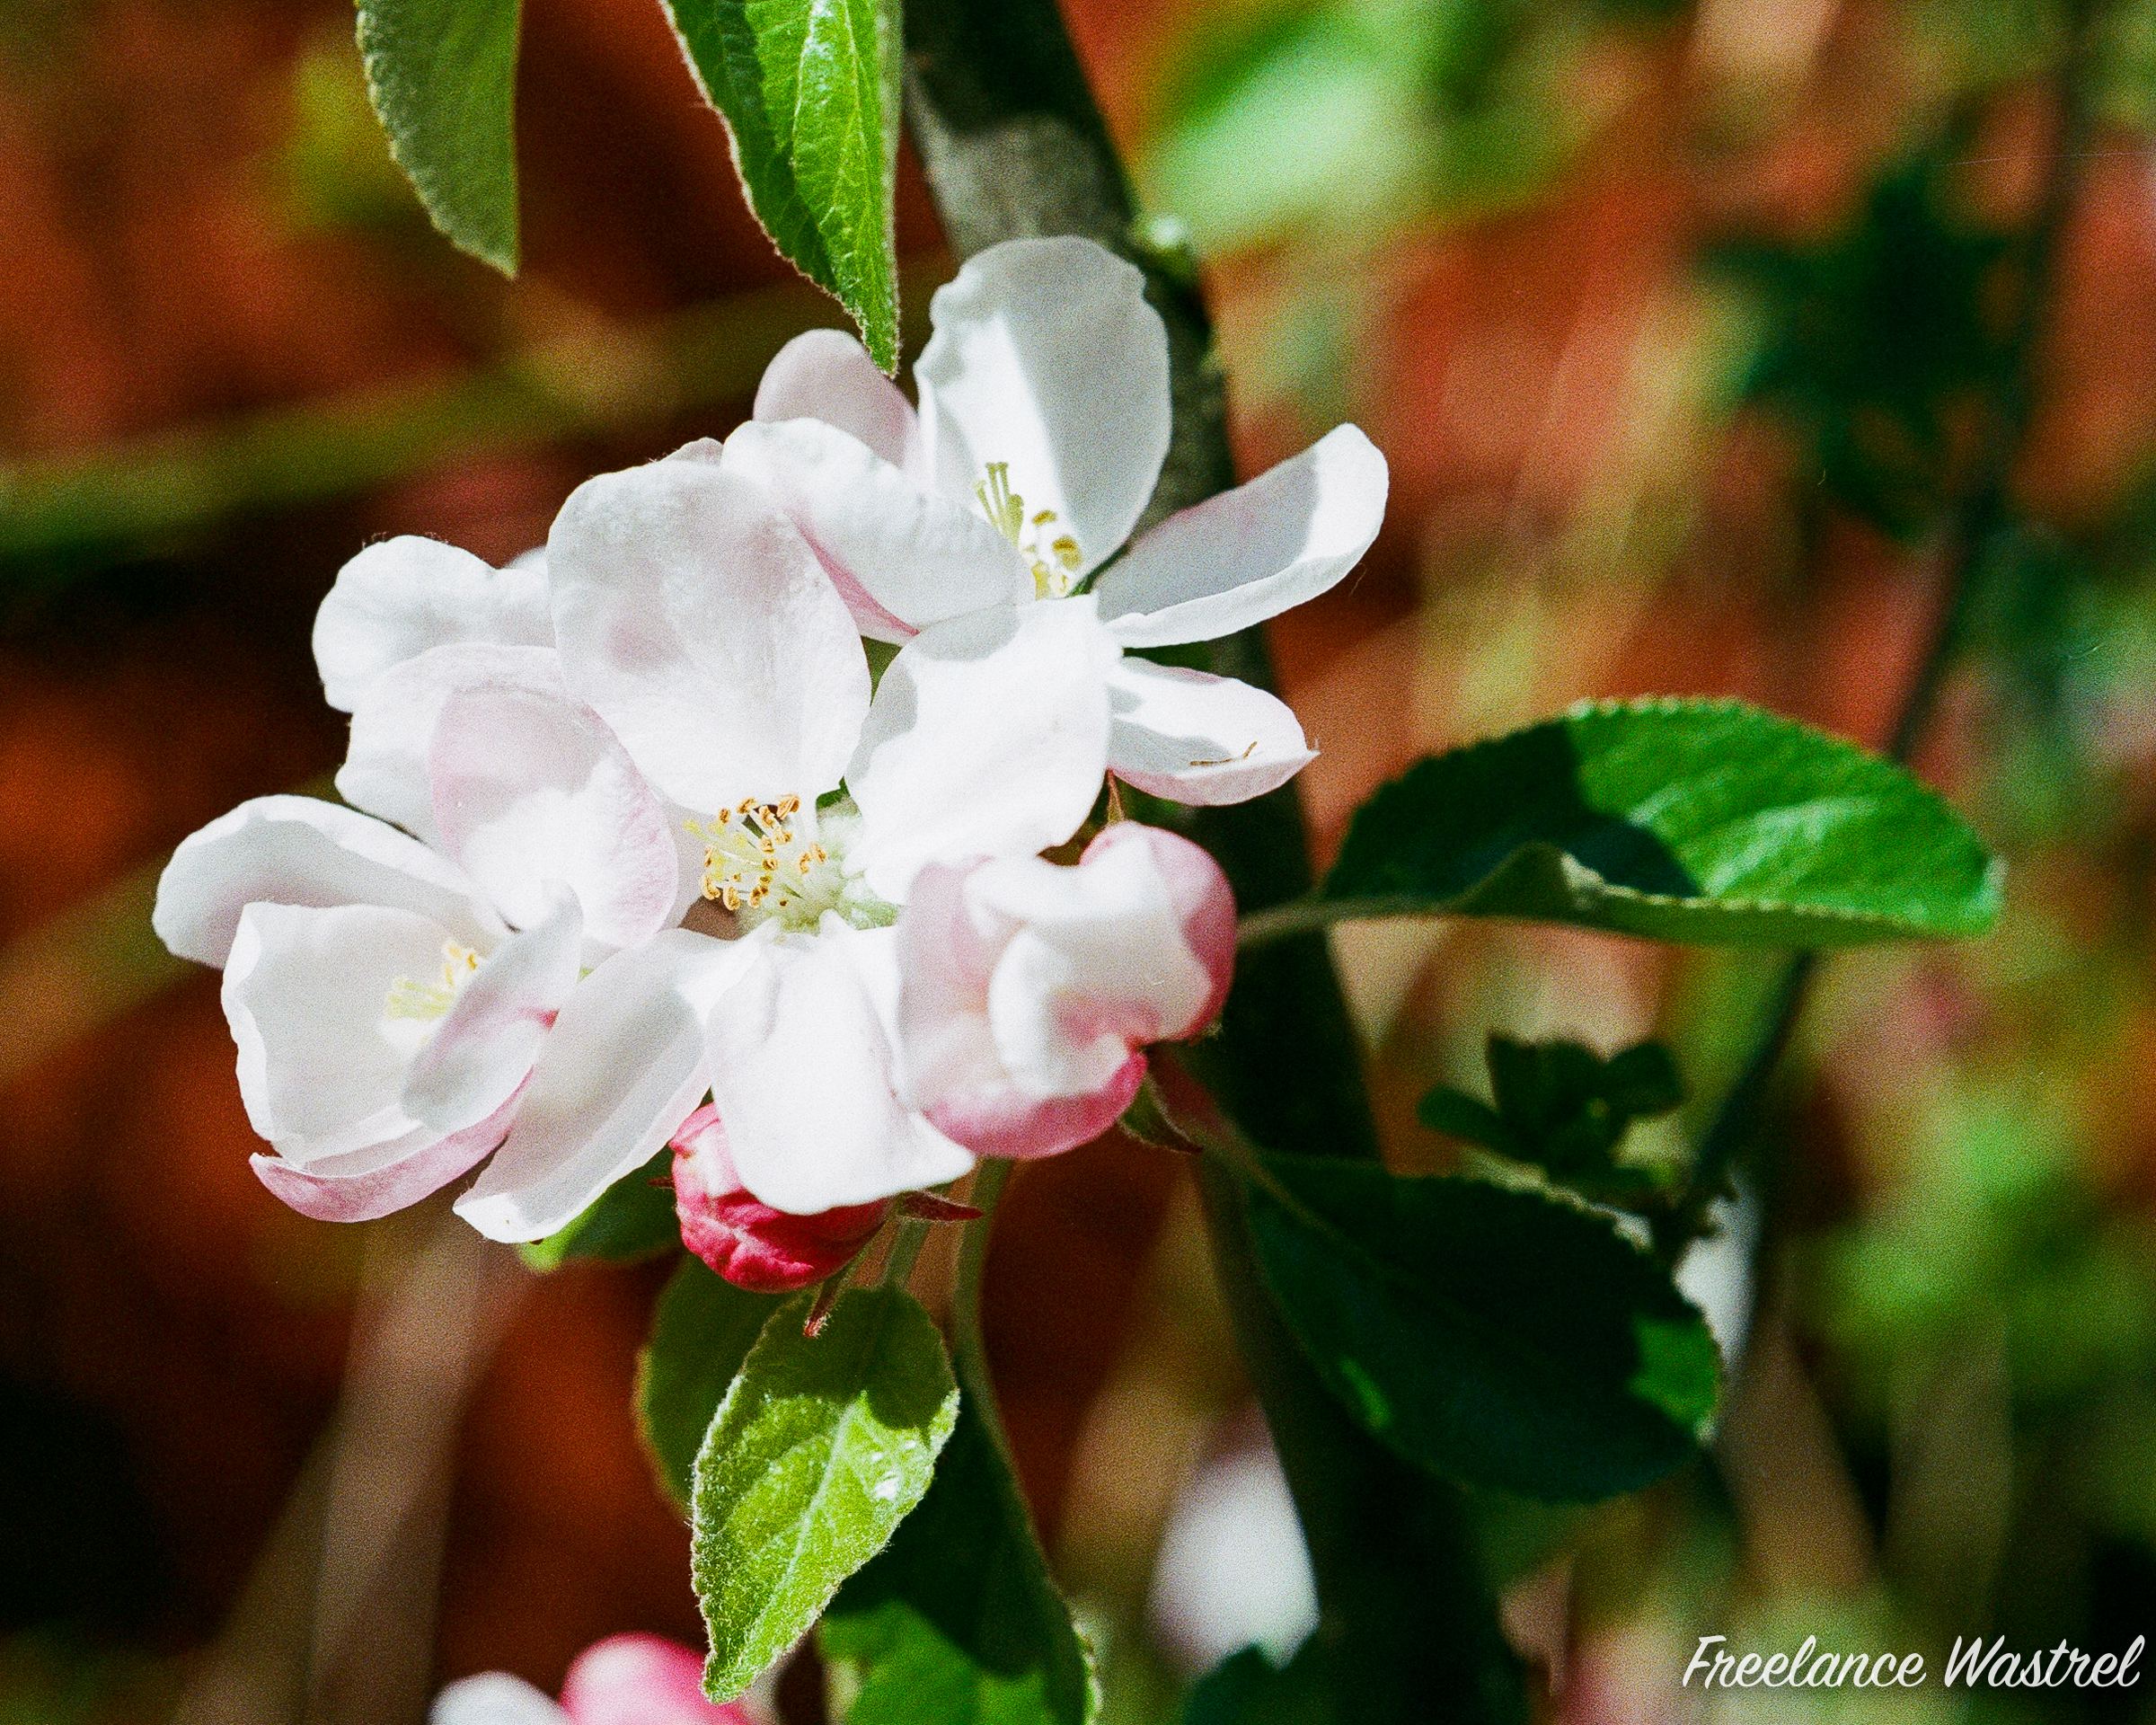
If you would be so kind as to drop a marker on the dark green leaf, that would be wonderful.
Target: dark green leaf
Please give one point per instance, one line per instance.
(956, 1621)
(442, 76)
(633, 1219)
(1690, 820)
(1494, 1336)
(810, 90)
(1562, 1107)
(701, 1332)
(820, 1449)
(1250, 1689)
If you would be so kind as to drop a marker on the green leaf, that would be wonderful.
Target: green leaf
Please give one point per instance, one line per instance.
(442, 76)
(1494, 1336)
(1676, 819)
(819, 1449)
(633, 1219)
(956, 1621)
(1562, 1107)
(809, 91)
(1248, 1689)
(701, 1332)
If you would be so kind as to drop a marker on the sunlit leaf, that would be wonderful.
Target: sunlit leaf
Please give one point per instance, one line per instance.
(820, 1449)
(956, 1623)
(442, 76)
(809, 91)
(1690, 820)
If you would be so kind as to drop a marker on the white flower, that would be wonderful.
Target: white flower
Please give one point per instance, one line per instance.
(1027, 990)
(391, 999)
(1043, 423)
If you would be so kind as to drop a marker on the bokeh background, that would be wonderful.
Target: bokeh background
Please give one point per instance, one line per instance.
(1681, 325)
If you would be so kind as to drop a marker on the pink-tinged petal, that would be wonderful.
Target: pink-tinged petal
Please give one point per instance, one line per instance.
(481, 1049)
(531, 791)
(1026, 989)
(385, 768)
(370, 1183)
(1007, 1122)
(916, 559)
(1193, 738)
(827, 375)
(398, 599)
(301, 851)
(744, 1239)
(800, 1064)
(643, 1680)
(1250, 554)
(696, 620)
(1047, 358)
(1204, 904)
(621, 1069)
(308, 992)
(989, 736)
(494, 1698)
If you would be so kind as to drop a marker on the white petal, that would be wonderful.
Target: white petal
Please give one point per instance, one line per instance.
(306, 994)
(302, 851)
(621, 1069)
(1098, 967)
(364, 1184)
(531, 790)
(1252, 552)
(386, 770)
(1046, 356)
(988, 738)
(917, 559)
(800, 1064)
(693, 617)
(1192, 737)
(481, 1049)
(406, 595)
(948, 948)
(494, 1698)
(827, 375)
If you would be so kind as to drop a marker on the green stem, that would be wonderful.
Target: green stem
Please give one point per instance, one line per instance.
(905, 1246)
(969, 1347)
(1983, 513)
(1013, 146)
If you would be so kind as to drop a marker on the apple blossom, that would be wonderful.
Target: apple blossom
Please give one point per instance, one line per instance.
(402, 1003)
(1027, 990)
(623, 1680)
(696, 621)
(1043, 424)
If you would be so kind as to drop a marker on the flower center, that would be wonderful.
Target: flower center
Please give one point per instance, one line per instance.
(427, 1001)
(1054, 563)
(765, 860)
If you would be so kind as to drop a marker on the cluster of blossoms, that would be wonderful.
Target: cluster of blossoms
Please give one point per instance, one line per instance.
(634, 850)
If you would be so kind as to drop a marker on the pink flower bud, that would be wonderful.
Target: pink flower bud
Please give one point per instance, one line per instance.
(743, 1238)
(643, 1680)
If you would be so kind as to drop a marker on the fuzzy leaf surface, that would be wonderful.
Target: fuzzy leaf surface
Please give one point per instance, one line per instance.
(442, 77)
(821, 1447)
(810, 92)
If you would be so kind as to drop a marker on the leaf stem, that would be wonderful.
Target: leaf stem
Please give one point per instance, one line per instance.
(968, 1346)
(1977, 520)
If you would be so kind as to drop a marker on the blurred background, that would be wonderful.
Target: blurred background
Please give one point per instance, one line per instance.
(1704, 341)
